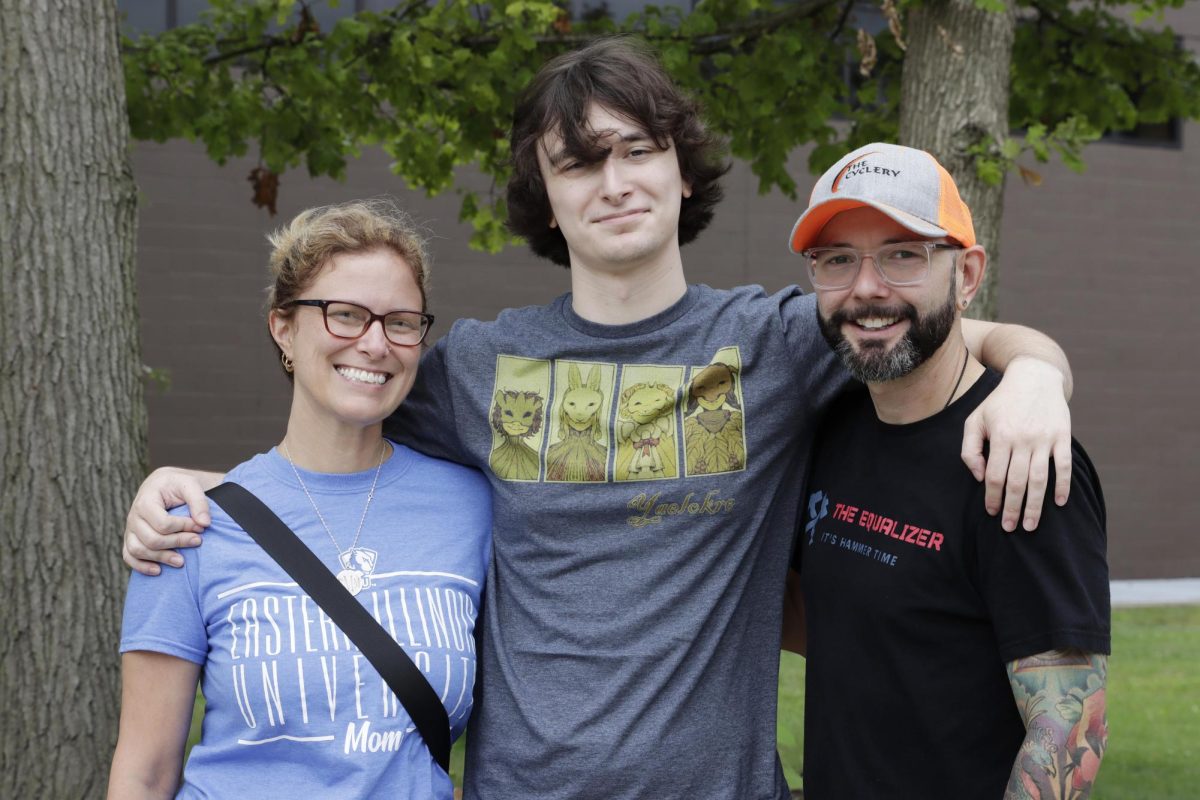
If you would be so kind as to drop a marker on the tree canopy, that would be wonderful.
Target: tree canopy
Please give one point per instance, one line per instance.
(433, 83)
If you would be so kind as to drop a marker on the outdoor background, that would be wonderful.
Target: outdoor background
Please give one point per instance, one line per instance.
(1105, 262)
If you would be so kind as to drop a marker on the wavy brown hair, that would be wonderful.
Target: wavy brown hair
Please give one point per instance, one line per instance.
(623, 75)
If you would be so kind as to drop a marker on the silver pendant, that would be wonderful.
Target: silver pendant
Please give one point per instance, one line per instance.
(354, 580)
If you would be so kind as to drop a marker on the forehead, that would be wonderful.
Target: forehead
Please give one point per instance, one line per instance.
(864, 227)
(363, 275)
(601, 122)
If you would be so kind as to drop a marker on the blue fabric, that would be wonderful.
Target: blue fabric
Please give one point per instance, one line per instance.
(293, 709)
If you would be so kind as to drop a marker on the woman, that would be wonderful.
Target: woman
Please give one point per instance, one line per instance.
(293, 709)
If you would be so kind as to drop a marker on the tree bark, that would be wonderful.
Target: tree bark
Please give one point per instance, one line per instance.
(73, 435)
(954, 94)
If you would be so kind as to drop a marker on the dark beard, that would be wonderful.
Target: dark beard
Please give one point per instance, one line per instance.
(872, 362)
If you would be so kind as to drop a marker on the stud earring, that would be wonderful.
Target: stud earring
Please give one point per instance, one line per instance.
(288, 364)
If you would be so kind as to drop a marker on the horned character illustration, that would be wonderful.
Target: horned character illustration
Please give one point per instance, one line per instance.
(579, 456)
(713, 438)
(516, 416)
(645, 433)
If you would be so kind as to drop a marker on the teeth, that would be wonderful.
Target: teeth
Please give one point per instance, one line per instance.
(361, 375)
(872, 323)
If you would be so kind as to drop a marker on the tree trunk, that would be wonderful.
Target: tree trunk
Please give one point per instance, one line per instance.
(954, 94)
(73, 435)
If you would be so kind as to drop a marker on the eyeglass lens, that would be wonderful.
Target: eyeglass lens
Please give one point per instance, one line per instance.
(837, 267)
(350, 321)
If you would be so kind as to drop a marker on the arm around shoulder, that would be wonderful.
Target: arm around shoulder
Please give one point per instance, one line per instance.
(998, 345)
(1026, 420)
(151, 533)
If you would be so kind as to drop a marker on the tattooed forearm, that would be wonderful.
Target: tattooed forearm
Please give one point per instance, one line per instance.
(1061, 696)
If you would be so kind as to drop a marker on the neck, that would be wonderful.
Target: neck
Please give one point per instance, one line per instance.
(929, 388)
(630, 295)
(324, 445)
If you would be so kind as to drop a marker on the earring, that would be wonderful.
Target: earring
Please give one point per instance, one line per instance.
(288, 365)
(962, 304)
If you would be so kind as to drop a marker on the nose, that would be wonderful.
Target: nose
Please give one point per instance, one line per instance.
(868, 283)
(614, 187)
(373, 342)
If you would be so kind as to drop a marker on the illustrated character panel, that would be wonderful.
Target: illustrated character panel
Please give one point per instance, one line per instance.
(518, 417)
(579, 438)
(645, 429)
(714, 428)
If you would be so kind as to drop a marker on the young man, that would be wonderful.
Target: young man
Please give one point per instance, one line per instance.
(642, 437)
(924, 622)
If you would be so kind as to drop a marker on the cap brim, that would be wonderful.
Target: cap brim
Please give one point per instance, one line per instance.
(813, 221)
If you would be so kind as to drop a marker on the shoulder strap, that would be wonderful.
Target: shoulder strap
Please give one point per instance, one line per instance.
(388, 658)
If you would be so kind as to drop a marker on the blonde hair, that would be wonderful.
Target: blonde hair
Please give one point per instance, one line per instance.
(303, 247)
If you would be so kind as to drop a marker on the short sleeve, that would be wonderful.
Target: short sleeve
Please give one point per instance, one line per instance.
(163, 613)
(1049, 589)
(425, 421)
(812, 358)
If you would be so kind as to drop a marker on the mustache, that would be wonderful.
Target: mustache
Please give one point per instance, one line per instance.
(905, 311)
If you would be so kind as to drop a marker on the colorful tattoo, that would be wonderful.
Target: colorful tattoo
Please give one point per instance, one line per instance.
(1061, 697)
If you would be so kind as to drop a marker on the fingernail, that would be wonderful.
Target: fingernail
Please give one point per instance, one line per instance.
(991, 509)
(1060, 500)
(204, 520)
(1028, 524)
(194, 541)
(177, 561)
(154, 570)
(1009, 524)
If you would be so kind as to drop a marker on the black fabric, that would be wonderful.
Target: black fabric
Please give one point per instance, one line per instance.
(916, 599)
(389, 659)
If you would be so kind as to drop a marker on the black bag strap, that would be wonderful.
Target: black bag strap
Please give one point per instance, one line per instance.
(389, 659)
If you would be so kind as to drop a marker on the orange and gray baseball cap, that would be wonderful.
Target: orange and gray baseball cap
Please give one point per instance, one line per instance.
(908, 185)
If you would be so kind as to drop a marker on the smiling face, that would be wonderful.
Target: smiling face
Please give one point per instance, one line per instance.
(883, 332)
(350, 382)
(621, 211)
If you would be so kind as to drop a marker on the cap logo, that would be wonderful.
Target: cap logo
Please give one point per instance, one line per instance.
(860, 166)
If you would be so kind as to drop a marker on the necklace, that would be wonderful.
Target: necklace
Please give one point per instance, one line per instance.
(357, 563)
(957, 383)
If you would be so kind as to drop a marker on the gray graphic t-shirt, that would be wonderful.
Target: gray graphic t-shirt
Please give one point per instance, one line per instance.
(644, 502)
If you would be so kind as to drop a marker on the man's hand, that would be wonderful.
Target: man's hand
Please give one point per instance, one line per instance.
(151, 534)
(1026, 421)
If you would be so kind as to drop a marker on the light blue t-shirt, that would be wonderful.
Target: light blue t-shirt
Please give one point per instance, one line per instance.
(294, 710)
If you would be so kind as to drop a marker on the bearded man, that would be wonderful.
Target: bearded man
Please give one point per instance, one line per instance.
(924, 621)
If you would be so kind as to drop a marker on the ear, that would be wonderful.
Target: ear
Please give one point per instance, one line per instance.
(499, 397)
(573, 379)
(971, 268)
(553, 221)
(282, 329)
(594, 378)
(687, 189)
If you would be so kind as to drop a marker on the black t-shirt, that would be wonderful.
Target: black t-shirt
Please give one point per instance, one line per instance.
(916, 599)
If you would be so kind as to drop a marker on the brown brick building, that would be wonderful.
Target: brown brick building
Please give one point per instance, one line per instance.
(1105, 262)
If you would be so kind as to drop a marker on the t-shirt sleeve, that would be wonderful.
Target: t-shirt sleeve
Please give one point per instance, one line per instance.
(425, 421)
(1049, 589)
(163, 613)
(813, 360)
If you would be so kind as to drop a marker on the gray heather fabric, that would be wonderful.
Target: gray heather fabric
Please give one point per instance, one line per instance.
(644, 496)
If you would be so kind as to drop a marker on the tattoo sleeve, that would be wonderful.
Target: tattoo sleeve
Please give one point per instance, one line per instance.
(1061, 697)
